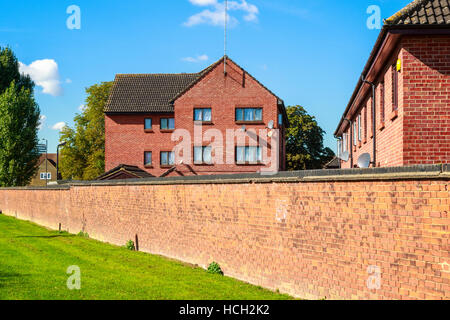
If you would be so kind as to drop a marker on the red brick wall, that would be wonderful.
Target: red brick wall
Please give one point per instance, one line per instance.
(426, 74)
(311, 239)
(126, 140)
(419, 133)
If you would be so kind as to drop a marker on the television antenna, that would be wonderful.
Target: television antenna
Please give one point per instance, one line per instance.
(225, 40)
(364, 160)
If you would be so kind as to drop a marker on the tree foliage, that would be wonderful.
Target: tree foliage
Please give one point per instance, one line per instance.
(19, 122)
(304, 141)
(83, 156)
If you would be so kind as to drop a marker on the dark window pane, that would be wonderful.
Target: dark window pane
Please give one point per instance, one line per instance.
(198, 154)
(163, 124)
(171, 123)
(171, 157)
(148, 158)
(198, 115)
(164, 158)
(258, 114)
(207, 115)
(248, 114)
(148, 124)
(239, 115)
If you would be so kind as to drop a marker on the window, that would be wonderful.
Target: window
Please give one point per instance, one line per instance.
(167, 123)
(202, 115)
(365, 122)
(248, 155)
(147, 158)
(249, 114)
(344, 142)
(394, 88)
(359, 128)
(167, 158)
(148, 124)
(202, 155)
(354, 133)
(382, 116)
(46, 176)
(280, 119)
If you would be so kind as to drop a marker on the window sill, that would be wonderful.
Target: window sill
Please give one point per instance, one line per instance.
(201, 164)
(148, 166)
(249, 164)
(251, 122)
(149, 131)
(381, 126)
(394, 115)
(167, 130)
(359, 144)
(167, 166)
(365, 141)
(203, 123)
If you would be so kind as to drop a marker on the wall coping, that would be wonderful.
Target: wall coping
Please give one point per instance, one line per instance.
(418, 172)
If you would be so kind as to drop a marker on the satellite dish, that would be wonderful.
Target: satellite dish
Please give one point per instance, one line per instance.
(364, 160)
(270, 124)
(345, 156)
(270, 134)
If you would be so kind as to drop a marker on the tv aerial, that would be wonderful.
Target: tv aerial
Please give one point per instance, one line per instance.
(364, 160)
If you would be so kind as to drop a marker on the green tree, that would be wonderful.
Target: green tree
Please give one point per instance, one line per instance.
(304, 141)
(83, 156)
(19, 122)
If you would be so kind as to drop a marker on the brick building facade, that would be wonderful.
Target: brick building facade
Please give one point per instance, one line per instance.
(148, 115)
(409, 72)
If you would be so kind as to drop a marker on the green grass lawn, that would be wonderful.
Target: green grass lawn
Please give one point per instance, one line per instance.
(34, 261)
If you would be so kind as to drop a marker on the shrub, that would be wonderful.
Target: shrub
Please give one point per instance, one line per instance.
(130, 245)
(214, 268)
(83, 234)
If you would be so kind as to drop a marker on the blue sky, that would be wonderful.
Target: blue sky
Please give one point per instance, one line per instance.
(309, 52)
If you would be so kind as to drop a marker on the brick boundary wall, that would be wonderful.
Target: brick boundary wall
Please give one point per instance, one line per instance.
(311, 234)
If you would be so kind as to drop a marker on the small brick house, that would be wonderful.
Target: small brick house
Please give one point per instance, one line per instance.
(147, 113)
(400, 110)
(46, 170)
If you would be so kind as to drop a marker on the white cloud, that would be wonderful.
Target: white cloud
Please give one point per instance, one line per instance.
(42, 119)
(59, 126)
(200, 58)
(216, 16)
(45, 74)
(68, 80)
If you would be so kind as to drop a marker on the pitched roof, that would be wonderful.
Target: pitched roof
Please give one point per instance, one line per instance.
(145, 93)
(51, 157)
(133, 172)
(422, 12)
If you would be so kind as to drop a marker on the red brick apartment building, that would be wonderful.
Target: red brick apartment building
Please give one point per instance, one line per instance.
(145, 112)
(400, 110)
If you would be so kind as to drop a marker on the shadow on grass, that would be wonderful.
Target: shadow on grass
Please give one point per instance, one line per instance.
(49, 237)
(9, 277)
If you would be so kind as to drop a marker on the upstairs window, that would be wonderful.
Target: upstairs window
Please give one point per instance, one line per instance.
(167, 123)
(167, 158)
(147, 158)
(394, 88)
(249, 114)
(359, 128)
(46, 176)
(203, 115)
(148, 124)
(354, 133)
(248, 155)
(202, 155)
(280, 119)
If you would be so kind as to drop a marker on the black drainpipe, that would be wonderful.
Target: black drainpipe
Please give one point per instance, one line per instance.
(374, 122)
